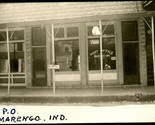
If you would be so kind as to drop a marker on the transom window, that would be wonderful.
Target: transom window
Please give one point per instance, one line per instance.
(129, 31)
(38, 36)
(66, 32)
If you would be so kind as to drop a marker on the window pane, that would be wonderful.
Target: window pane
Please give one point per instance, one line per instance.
(39, 55)
(17, 63)
(109, 56)
(19, 46)
(3, 47)
(67, 55)
(3, 65)
(129, 31)
(108, 30)
(59, 32)
(72, 31)
(16, 57)
(94, 54)
(38, 36)
(16, 35)
(3, 51)
(89, 30)
(3, 36)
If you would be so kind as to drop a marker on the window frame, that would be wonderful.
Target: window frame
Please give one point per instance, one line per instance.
(38, 45)
(65, 26)
(137, 34)
(15, 75)
(98, 37)
(13, 29)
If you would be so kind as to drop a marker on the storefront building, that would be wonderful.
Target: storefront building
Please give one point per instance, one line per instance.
(31, 29)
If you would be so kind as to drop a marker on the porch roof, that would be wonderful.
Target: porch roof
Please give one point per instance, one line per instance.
(25, 12)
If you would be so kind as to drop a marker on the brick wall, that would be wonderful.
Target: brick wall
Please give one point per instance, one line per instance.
(28, 58)
(142, 52)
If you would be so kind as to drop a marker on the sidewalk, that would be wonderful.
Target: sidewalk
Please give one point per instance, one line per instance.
(87, 91)
(78, 95)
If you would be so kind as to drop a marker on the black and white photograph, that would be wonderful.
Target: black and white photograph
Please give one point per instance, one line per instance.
(77, 62)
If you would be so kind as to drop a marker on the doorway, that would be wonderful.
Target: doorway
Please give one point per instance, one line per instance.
(131, 63)
(39, 67)
(39, 56)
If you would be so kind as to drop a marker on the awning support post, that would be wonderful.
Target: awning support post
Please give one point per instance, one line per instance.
(101, 56)
(153, 49)
(8, 53)
(53, 58)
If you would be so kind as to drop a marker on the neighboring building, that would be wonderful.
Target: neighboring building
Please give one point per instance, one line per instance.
(149, 5)
(125, 43)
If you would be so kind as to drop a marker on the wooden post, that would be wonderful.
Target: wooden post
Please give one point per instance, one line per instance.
(48, 55)
(153, 49)
(8, 51)
(101, 56)
(53, 58)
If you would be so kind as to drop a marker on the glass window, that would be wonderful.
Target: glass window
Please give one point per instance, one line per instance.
(16, 35)
(39, 55)
(13, 35)
(3, 65)
(72, 31)
(17, 63)
(129, 31)
(16, 60)
(67, 55)
(109, 30)
(3, 36)
(59, 32)
(38, 36)
(109, 56)
(19, 46)
(89, 30)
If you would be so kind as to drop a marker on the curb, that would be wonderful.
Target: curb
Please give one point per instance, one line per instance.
(76, 99)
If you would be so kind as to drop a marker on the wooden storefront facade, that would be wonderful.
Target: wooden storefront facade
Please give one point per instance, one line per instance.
(76, 51)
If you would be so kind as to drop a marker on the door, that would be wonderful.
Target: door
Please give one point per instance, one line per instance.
(131, 63)
(39, 67)
(39, 56)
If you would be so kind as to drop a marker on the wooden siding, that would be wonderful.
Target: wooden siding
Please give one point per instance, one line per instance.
(24, 12)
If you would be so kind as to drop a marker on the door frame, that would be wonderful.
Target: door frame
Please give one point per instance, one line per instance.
(122, 51)
(36, 46)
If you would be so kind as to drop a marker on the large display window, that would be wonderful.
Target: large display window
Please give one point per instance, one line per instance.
(108, 48)
(16, 47)
(17, 55)
(67, 48)
(67, 55)
(108, 53)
